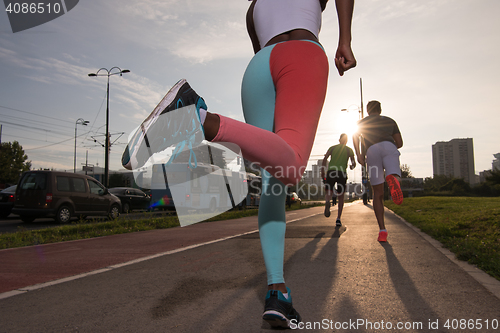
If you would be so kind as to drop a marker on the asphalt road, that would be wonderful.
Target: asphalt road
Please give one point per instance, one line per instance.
(342, 280)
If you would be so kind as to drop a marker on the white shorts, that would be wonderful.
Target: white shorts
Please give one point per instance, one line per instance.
(382, 156)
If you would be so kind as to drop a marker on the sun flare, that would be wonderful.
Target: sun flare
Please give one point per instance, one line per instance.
(347, 123)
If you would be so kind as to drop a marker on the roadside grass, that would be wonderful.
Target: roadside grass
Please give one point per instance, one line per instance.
(91, 228)
(467, 226)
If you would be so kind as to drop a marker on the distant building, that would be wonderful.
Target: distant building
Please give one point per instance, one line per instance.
(454, 158)
(412, 185)
(496, 162)
(494, 165)
(316, 173)
(483, 175)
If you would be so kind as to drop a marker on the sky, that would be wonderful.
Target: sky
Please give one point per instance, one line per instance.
(433, 65)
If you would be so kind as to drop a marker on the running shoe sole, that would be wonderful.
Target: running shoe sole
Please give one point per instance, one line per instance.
(327, 209)
(276, 319)
(395, 188)
(143, 145)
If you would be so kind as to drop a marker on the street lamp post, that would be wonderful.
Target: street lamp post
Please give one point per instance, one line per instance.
(108, 73)
(79, 121)
(364, 177)
(360, 111)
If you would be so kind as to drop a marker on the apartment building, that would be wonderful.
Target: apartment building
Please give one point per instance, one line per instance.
(496, 162)
(454, 158)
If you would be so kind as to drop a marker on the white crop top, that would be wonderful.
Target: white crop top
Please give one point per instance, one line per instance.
(274, 17)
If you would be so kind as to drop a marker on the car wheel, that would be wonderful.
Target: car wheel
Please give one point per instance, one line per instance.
(126, 208)
(27, 219)
(63, 214)
(114, 212)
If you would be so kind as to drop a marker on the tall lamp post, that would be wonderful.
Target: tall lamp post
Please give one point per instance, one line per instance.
(364, 178)
(108, 73)
(79, 121)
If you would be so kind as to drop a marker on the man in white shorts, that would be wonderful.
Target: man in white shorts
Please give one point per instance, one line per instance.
(382, 139)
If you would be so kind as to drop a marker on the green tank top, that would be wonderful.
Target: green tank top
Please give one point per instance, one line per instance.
(339, 157)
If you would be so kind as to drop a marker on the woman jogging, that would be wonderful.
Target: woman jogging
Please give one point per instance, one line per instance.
(283, 92)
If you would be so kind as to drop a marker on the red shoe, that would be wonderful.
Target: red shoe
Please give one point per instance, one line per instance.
(382, 236)
(396, 193)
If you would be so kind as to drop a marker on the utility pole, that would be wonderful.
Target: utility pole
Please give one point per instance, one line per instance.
(361, 90)
(364, 178)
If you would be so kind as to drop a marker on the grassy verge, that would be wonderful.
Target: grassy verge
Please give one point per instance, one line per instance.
(97, 228)
(469, 227)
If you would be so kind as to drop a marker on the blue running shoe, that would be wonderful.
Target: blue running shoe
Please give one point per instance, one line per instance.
(278, 310)
(158, 131)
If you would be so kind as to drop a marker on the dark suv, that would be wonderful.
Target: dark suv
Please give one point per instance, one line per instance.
(62, 195)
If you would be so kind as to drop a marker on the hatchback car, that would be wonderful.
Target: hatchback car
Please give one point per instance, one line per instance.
(292, 198)
(62, 195)
(295, 198)
(7, 198)
(131, 198)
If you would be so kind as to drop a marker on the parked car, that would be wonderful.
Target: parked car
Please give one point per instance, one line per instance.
(131, 198)
(62, 195)
(292, 198)
(295, 198)
(7, 198)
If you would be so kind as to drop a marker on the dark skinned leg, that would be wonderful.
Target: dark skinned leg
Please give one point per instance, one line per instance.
(211, 126)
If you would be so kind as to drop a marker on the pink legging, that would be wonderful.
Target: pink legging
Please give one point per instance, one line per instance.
(283, 97)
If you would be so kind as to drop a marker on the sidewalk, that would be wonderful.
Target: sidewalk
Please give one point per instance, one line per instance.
(341, 279)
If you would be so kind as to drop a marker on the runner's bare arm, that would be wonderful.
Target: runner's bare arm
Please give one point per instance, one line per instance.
(344, 57)
(251, 28)
(398, 139)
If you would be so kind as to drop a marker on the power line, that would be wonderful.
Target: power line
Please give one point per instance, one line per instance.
(38, 122)
(35, 128)
(56, 143)
(21, 137)
(38, 140)
(32, 113)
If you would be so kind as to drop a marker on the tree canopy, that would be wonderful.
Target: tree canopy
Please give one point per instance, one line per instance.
(494, 177)
(405, 171)
(13, 162)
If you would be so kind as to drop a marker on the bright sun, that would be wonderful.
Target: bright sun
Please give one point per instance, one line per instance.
(347, 123)
(350, 129)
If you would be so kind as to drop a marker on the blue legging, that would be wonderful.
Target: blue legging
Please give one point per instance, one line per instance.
(305, 70)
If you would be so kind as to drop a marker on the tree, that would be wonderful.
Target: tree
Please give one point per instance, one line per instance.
(494, 177)
(435, 183)
(457, 186)
(405, 171)
(12, 162)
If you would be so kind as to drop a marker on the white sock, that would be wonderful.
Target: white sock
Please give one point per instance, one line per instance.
(203, 115)
(383, 230)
